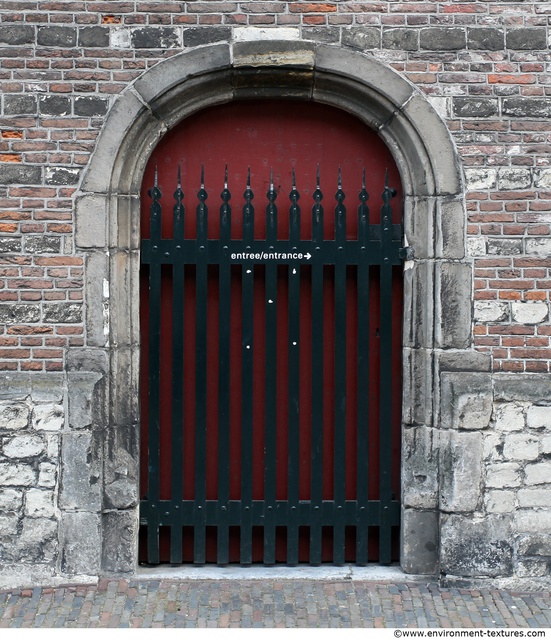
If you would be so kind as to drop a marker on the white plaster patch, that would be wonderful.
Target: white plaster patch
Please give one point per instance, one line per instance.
(119, 38)
(247, 34)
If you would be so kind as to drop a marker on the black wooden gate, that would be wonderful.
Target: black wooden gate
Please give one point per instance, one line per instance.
(304, 298)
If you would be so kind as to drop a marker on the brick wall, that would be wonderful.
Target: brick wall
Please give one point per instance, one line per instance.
(483, 65)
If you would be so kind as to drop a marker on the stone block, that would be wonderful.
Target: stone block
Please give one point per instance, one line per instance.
(462, 361)
(532, 568)
(23, 446)
(80, 472)
(537, 544)
(90, 106)
(526, 387)
(503, 475)
(492, 447)
(453, 289)
(538, 417)
(60, 37)
(91, 213)
(538, 246)
(420, 533)
(48, 417)
(197, 36)
(533, 498)
(47, 388)
(480, 179)
(81, 543)
(43, 244)
(491, 311)
(37, 541)
(14, 416)
(39, 503)
(497, 247)
(450, 229)
(19, 313)
(63, 312)
(47, 474)
(528, 39)
(538, 473)
(87, 360)
(97, 299)
(500, 501)
(11, 500)
(417, 403)
(542, 179)
(526, 107)
(52, 445)
(420, 447)
(8, 524)
(485, 38)
(10, 245)
(120, 540)
(520, 447)
(329, 35)
(93, 36)
(529, 312)
(17, 34)
(475, 547)
(419, 287)
(55, 105)
(156, 38)
(362, 38)
(85, 399)
(514, 178)
(15, 474)
(61, 176)
(298, 54)
(443, 38)
(402, 39)
(533, 521)
(466, 400)
(11, 174)
(460, 471)
(20, 105)
(475, 107)
(122, 492)
(546, 445)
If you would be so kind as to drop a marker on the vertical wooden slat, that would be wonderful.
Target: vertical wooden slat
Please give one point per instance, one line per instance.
(339, 487)
(362, 443)
(177, 371)
(200, 377)
(293, 457)
(385, 333)
(224, 302)
(154, 375)
(247, 300)
(270, 408)
(317, 380)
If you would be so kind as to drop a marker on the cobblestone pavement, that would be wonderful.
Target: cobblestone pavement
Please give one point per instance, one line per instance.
(268, 603)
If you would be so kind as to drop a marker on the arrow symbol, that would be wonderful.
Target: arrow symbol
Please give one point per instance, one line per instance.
(308, 256)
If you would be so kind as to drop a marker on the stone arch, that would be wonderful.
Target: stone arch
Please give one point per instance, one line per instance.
(437, 323)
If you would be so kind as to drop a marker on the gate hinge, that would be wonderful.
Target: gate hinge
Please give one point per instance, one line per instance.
(407, 253)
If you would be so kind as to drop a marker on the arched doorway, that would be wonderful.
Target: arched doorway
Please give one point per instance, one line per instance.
(271, 375)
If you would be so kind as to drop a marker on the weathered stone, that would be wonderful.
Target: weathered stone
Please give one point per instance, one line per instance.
(476, 246)
(55, 105)
(460, 471)
(10, 245)
(80, 543)
(42, 244)
(528, 39)
(443, 38)
(401, 38)
(498, 247)
(546, 445)
(480, 179)
(492, 447)
(532, 521)
(120, 529)
(196, 36)
(91, 215)
(362, 38)
(420, 467)
(475, 107)
(485, 38)
(450, 230)
(538, 246)
(62, 175)
(511, 179)
(490, 311)
(534, 497)
(38, 540)
(39, 503)
(52, 445)
(80, 472)
(60, 37)
(47, 474)
(48, 417)
(93, 36)
(328, 35)
(122, 493)
(453, 288)
(85, 399)
(538, 417)
(532, 568)
(532, 388)
(538, 544)
(90, 106)
(538, 473)
(14, 415)
(11, 174)
(11, 500)
(466, 400)
(24, 446)
(521, 447)
(420, 532)
(503, 475)
(526, 107)
(156, 38)
(17, 34)
(64, 312)
(16, 475)
(529, 312)
(47, 388)
(19, 105)
(500, 501)
(476, 547)
(8, 524)
(509, 417)
(542, 179)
